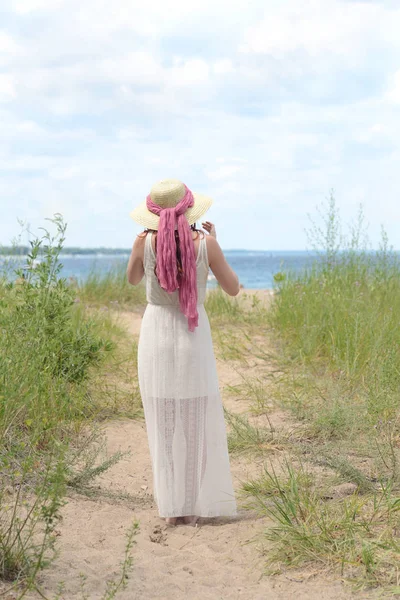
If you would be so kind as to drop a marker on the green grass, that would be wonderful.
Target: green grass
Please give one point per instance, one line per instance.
(109, 289)
(245, 309)
(220, 305)
(339, 327)
(237, 324)
(356, 535)
(59, 365)
(335, 364)
(243, 437)
(254, 390)
(336, 329)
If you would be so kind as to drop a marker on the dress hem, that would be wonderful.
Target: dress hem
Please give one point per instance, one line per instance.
(201, 514)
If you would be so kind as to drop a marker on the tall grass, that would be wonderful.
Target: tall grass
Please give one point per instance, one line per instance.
(337, 328)
(342, 316)
(50, 352)
(219, 305)
(355, 535)
(247, 309)
(110, 288)
(243, 437)
(236, 323)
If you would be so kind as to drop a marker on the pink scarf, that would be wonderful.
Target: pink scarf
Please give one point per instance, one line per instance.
(167, 270)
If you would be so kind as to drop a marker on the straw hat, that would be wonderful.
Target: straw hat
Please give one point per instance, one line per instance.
(167, 193)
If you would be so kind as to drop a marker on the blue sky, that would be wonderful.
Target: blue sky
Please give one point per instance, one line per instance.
(263, 105)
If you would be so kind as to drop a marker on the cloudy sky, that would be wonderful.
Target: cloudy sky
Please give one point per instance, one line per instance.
(265, 105)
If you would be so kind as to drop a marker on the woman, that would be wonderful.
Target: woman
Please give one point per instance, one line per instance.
(176, 364)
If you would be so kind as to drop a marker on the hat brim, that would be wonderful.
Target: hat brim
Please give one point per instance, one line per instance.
(143, 216)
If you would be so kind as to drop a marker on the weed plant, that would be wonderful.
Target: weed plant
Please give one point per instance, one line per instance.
(109, 289)
(355, 535)
(340, 323)
(337, 329)
(243, 437)
(50, 352)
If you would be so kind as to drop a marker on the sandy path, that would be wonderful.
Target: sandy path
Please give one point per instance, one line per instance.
(216, 560)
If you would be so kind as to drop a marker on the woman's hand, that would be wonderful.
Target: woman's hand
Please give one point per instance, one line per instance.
(210, 228)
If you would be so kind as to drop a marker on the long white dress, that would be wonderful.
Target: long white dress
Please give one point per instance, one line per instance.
(182, 403)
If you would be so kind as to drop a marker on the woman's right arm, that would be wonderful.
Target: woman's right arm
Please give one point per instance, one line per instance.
(224, 274)
(135, 270)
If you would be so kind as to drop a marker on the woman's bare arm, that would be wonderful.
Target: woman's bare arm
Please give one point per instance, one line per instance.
(224, 274)
(135, 270)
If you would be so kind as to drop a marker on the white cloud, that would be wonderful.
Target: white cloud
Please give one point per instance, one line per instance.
(29, 127)
(224, 172)
(7, 88)
(320, 29)
(393, 95)
(64, 172)
(28, 6)
(223, 66)
(26, 162)
(306, 27)
(9, 48)
(231, 159)
(268, 103)
(191, 72)
(136, 67)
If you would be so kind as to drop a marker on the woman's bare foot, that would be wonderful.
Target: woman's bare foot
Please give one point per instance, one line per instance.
(171, 521)
(190, 520)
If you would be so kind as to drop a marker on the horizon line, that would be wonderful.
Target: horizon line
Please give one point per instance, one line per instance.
(109, 249)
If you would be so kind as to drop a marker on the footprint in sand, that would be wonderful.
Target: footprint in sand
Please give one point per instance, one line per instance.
(158, 536)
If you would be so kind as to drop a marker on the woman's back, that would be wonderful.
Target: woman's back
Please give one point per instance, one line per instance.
(154, 293)
(180, 393)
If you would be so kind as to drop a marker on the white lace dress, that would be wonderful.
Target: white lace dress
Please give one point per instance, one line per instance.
(182, 404)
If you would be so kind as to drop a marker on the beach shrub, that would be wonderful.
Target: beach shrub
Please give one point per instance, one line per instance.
(336, 328)
(48, 350)
(343, 315)
(220, 305)
(354, 534)
(109, 289)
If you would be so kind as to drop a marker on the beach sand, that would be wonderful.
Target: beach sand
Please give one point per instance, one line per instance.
(218, 559)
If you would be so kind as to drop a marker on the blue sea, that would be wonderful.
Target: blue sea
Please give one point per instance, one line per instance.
(255, 269)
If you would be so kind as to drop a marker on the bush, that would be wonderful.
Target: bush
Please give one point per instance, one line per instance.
(343, 314)
(339, 340)
(47, 351)
(111, 288)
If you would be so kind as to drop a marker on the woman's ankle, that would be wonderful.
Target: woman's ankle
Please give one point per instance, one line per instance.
(190, 520)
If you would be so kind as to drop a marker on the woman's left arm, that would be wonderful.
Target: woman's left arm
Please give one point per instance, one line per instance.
(135, 270)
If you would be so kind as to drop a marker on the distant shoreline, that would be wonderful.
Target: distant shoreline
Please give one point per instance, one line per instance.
(10, 251)
(66, 251)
